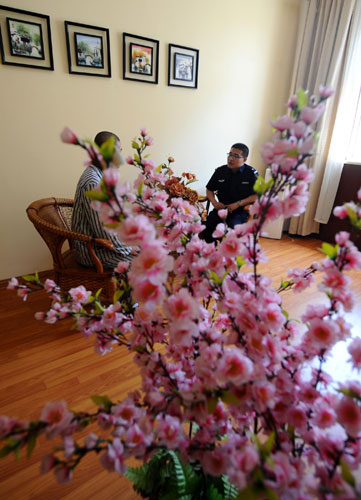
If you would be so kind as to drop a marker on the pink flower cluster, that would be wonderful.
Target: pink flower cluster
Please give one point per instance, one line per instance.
(229, 380)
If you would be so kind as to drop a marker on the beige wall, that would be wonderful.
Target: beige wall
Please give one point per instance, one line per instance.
(246, 57)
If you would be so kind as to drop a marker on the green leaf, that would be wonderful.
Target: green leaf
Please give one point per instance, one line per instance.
(285, 283)
(330, 250)
(140, 188)
(240, 261)
(270, 494)
(285, 314)
(214, 277)
(31, 442)
(350, 393)
(211, 404)
(213, 494)
(98, 293)
(249, 493)
(30, 277)
(229, 490)
(99, 309)
(102, 400)
(267, 447)
(117, 296)
(11, 446)
(135, 145)
(260, 185)
(346, 473)
(229, 398)
(107, 149)
(159, 168)
(302, 99)
(292, 153)
(96, 195)
(352, 214)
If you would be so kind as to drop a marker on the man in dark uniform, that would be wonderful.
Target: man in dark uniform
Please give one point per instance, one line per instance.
(233, 184)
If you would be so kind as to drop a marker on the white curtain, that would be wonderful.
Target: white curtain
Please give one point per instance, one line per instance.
(320, 60)
(345, 119)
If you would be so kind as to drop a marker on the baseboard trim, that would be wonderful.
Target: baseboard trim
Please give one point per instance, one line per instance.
(43, 275)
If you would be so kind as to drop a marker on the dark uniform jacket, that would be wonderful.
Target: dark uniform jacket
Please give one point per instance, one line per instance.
(233, 186)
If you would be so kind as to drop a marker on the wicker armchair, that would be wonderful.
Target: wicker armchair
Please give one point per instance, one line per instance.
(52, 219)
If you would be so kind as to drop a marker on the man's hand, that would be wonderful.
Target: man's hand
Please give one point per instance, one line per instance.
(218, 205)
(233, 206)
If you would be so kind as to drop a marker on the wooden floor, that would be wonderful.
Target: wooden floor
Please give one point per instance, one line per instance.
(40, 363)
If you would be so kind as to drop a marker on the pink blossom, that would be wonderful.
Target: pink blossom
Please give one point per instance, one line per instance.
(234, 367)
(122, 266)
(223, 213)
(182, 306)
(136, 230)
(299, 129)
(134, 436)
(349, 415)
(125, 413)
(23, 292)
(215, 462)
(153, 260)
(49, 285)
(322, 333)
(267, 152)
(57, 416)
(79, 294)
(297, 418)
(147, 291)
(340, 212)
(311, 115)
(113, 459)
(342, 238)
(170, 432)
(130, 160)
(47, 463)
(63, 474)
(68, 136)
(326, 91)
(183, 332)
(91, 441)
(282, 122)
(143, 131)
(13, 284)
(355, 350)
(111, 176)
(324, 416)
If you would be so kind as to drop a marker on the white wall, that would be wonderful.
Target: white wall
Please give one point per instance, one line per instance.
(246, 58)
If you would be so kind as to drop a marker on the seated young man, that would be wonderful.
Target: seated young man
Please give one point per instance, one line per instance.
(233, 184)
(85, 220)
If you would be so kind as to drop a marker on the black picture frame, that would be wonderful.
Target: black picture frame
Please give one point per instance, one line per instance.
(183, 64)
(140, 58)
(88, 49)
(25, 39)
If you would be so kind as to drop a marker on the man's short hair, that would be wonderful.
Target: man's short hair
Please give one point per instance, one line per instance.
(241, 147)
(101, 137)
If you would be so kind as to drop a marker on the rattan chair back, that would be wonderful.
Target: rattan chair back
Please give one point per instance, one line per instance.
(52, 219)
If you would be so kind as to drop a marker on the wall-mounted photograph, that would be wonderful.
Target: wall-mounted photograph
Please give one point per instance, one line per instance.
(140, 58)
(183, 65)
(25, 39)
(88, 49)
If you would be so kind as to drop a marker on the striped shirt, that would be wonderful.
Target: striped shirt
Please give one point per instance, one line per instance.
(85, 220)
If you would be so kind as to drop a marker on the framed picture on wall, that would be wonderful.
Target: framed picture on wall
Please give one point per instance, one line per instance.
(25, 39)
(88, 49)
(140, 58)
(183, 65)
